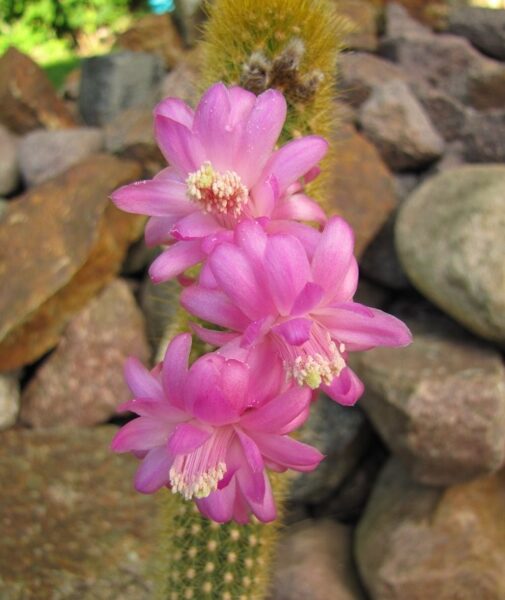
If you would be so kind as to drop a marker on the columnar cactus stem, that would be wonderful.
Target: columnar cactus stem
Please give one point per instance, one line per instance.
(290, 45)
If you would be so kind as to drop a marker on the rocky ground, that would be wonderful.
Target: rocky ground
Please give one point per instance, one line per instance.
(409, 503)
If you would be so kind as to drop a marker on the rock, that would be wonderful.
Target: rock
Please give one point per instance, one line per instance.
(396, 123)
(149, 157)
(483, 137)
(440, 403)
(114, 82)
(71, 86)
(27, 97)
(447, 115)
(360, 72)
(72, 525)
(9, 400)
(314, 560)
(450, 240)
(182, 81)
(349, 501)
(427, 12)
(380, 261)
(416, 542)
(189, 16)
(343, 435)
(361, 188)
(444, 61)
(45, 154)
(405, 184)
(362, 17)
(370, 294)
(131, 126)
(398, 22)
(81, 383)
(9, 167)
(139, 257)
(60, 244)
(486, 87)
(155, 34)
(160, 304)
(454, 157)
(483, 27)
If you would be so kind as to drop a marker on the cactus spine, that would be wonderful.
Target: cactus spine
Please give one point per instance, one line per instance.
(290, 45)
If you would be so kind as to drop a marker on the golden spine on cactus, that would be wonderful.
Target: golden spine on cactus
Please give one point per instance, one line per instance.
(290, 45)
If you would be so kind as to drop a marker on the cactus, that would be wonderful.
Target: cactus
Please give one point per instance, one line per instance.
(290, 45)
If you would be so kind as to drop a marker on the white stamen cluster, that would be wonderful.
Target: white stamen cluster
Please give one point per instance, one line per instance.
(314, 369)
(198, 486)
(222, 193)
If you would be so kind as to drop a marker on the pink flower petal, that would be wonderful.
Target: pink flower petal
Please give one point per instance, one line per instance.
(287, 452)
(153, 198)
(294, 331)
(186, 438)
(175, 368)
(216, 338)
(333, 256)
(219, 505)
(175, 260)
(142, 433)
(261, 131)
(306, 235)
(153, 472)
(140, 381)
(175, 109)
(235, 382)
(265, 510)
(194, 226)
(237, 278)
(307, 299)
(158, 230)
(296, 158)
(287, 269)
(156, 409)
(251, 476)
(345, 389)
(179, 145)
(299, 207)
(362, 328)
(276, 415)
(213, 306)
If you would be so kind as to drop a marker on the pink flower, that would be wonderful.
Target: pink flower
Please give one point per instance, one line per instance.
(223, 168)
(293, 309)
(209, 432)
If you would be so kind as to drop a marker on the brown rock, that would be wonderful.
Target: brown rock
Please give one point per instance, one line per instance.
(71, 524)
(27, 97)
(314, 560)
(9, 400)
(362, 16)
(59, 245)
(483, 137)
(486, 87)
(440, 403)
(132, 126)
(416, 542)
(155, 34)
(9, 163)
(362, 188)
(182, 81)
(360, 72)
(81, 383)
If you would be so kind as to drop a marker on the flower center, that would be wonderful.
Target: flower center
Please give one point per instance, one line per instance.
(222, 193)
(317, 361)
(196, 475)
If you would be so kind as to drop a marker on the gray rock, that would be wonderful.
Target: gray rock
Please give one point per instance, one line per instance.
(360, 72)
(114, 82)
(416, 542)
(444, 61)
(483, 27)
(131, 126)
(9, 400)
(445, 112)
(396, 123)
(314, 560)
(380, 261)
(9, 167)
(450, 237)
(397, 21)
(440, 403)
(405, 184)
(454, 157)
(81, 382)
(45, 154)
(483, 137)
(343, 435)
(72, 526)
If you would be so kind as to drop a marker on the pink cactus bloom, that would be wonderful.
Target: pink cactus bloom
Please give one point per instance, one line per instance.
(223, 168)
(296, 310)
(208, 432)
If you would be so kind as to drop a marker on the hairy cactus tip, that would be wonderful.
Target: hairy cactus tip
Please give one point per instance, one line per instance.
(280, 290)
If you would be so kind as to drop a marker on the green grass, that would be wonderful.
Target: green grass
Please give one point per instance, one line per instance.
(58, 71)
